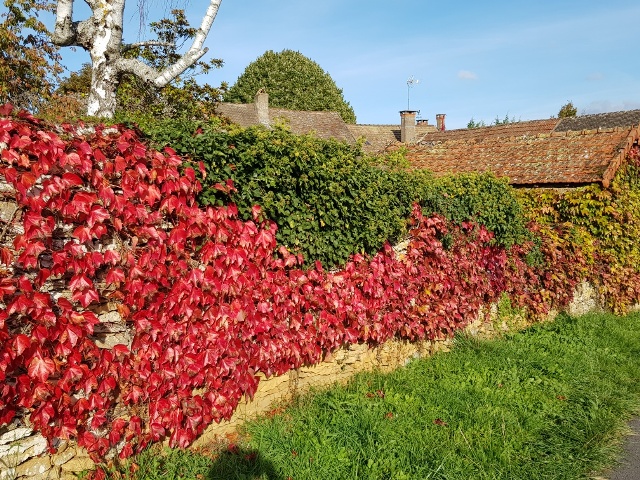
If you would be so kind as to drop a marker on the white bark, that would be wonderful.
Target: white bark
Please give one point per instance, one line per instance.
(107, 42)
(101, 36)
(64, 32)
(195, 52)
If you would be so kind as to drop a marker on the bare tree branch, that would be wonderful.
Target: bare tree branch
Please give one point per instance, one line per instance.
(148, 43)
(138, 68)
(195, 52)
(101, 36)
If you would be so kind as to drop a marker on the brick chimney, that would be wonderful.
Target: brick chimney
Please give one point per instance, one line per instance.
(261, 103)
(440, 122)
(408, 126)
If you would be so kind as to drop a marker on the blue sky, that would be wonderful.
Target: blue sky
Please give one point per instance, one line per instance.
(472, 59)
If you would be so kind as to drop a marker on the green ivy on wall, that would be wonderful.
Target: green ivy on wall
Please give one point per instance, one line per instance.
(606, 225)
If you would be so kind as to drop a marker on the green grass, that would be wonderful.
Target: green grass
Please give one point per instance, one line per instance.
(547, 403)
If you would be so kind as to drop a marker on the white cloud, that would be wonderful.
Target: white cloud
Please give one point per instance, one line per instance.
(604, 106)
(595, 77)
(467, 75)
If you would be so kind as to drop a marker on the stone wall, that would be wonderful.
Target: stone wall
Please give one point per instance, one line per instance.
(23, 453)
(340, 367)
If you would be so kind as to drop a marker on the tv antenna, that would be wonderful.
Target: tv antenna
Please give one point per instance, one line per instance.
(411, 82)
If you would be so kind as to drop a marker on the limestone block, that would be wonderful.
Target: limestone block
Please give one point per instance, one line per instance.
(60, 458)
(14, 454)
(78, 464)
(111, 330)
(111, 317)
(6, 187)
(8, 211)
(7, 472)
(53, 474)
(37, 443)
(110, 340)
(34, 468)
(15, 435)
(585, 299)
(61, 445)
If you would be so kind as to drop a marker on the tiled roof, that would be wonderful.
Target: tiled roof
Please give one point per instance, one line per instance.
(244, 114)
(379, 137)
(517, 129)
(327, 125)
(558, 158)
(629, 118)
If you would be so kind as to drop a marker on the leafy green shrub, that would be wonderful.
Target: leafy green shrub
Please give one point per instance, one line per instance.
(328, 199)
(482, 198)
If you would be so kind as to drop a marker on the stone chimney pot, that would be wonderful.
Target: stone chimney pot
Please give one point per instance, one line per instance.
(261, 102)
(408, 126)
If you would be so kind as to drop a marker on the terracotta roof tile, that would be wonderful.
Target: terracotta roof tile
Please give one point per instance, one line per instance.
(516, 129)
(327, 125)
(379, 137)
(544, 159)
(244, 114)
(629, 118)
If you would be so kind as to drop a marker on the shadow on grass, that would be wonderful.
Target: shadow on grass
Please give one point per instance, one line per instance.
(237, 463)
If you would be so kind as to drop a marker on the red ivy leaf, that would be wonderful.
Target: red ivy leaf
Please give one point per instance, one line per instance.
(115, 275)
(98, 215)
(21, 343)
(86, 297)
(126, 451)
(7, 287)
(120, 349)
(72, 180)
(80, 282)
(6, 256)
(83, 233)
(41, 368)
(112, 257)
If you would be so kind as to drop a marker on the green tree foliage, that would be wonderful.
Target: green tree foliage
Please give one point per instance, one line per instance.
(476, 124)
(184, 97)
(497, 121)
(567, 110)
(292, 81)
(138, 100)
(29, 62)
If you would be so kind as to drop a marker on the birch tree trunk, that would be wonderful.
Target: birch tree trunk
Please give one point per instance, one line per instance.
(101, 36)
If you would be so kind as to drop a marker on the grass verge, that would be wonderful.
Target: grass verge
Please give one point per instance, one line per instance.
(547, 403)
